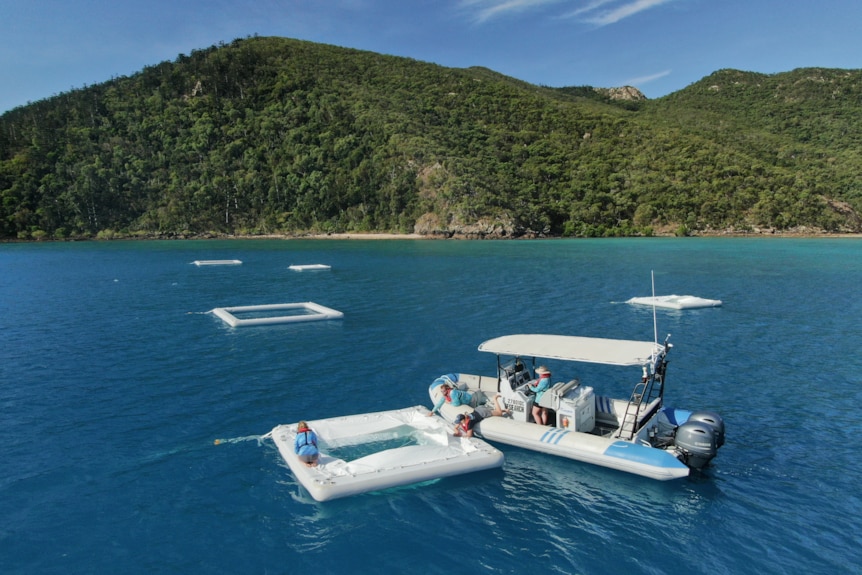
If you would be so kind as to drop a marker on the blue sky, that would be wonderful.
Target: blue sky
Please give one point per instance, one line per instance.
(659, 46)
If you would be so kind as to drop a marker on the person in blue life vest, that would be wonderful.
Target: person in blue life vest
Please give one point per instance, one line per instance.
(539, 386)
(305, 445)
(464, 423)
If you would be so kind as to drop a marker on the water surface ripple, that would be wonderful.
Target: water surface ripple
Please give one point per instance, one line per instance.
(115, 382)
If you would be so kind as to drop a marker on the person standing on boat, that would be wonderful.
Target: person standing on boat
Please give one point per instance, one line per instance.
(539, 386)
(305, 445)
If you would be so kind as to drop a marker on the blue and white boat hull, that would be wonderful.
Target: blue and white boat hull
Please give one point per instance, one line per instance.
(608, 452)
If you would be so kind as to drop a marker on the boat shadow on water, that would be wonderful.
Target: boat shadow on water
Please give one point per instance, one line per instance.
(583, 489)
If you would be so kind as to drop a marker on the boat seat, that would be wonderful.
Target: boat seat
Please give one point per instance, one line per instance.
(488, 385)
(551, 398)
(561, 389)
(606, 412)
(612, 411)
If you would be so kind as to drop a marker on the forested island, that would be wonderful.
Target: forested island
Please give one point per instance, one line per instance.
(267, 136)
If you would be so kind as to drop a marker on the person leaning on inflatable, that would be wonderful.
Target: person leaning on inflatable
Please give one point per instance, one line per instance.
(464, 423)
(305, 445)
(451, 394)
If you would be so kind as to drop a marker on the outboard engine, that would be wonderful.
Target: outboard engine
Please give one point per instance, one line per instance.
(712, 419)
(696, 442)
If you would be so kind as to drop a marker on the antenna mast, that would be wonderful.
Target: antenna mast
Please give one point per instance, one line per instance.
(654, 322)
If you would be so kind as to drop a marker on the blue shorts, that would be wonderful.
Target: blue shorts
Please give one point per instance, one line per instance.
(310, 458)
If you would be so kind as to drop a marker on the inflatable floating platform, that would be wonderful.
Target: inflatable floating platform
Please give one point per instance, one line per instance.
(675, 301)
(309, 267)
(217, 262)
(308, 311)
(375, 451)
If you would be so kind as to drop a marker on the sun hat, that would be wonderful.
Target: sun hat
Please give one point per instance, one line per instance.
(543, 370)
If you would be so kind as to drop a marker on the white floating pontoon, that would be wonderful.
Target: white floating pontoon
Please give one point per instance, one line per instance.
(310, 311)
(420, 448)
(309, 267)
(675, 301)
(217, 262)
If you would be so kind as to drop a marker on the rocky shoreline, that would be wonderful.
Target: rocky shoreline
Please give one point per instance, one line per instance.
(766, 233)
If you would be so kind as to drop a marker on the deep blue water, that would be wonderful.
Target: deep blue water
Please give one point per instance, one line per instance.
(114, 384)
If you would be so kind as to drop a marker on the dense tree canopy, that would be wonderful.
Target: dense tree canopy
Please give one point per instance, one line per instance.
(272, 135)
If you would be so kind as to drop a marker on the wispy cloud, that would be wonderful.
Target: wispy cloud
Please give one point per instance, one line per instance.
(488, 9)
(597, 12)
(604, 12)
(590, 7)
(640, 81)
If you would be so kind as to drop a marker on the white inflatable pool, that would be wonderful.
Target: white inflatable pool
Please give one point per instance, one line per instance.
(309, 311)
(394, 448)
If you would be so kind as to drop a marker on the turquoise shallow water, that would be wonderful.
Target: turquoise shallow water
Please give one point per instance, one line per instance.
(115, 382)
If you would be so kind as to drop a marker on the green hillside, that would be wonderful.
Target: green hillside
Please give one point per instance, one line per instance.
(272, 135)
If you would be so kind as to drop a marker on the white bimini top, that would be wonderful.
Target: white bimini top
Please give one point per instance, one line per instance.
(574, 348)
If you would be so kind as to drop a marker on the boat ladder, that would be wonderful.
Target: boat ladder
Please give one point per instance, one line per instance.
(629, 423)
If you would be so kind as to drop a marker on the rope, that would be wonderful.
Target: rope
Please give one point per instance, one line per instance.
(258, 438)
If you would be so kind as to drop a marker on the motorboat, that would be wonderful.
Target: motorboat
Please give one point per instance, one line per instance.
(637, 434)
(376, 451)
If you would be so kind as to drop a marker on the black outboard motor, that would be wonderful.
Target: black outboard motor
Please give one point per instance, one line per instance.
(712, 419)
(696, 441)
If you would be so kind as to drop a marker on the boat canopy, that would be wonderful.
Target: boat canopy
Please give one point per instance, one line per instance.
(574, 348)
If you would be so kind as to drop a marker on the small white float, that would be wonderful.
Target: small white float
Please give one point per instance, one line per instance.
(309, 311)
(217, 262)
(309, 267)
(675, 301)
(394, 448)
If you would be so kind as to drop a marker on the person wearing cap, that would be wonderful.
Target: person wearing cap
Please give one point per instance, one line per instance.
(464, 423)
(305, 445)
(539, 386)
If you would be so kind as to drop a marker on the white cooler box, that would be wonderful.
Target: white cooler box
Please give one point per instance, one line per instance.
(577, 410)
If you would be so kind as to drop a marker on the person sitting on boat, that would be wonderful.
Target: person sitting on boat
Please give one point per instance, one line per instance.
(305, 445)
(539, 386)
(464, 423)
